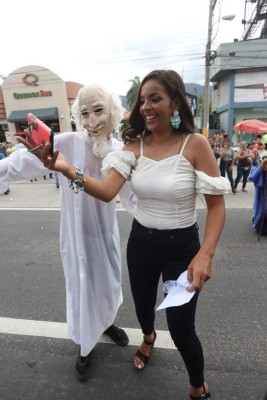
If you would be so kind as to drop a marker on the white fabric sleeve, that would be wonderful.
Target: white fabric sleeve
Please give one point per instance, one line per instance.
(21, 164)
(122, 161)
(211, 185)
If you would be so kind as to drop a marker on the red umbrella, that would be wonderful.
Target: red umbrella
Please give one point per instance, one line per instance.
(251, 126)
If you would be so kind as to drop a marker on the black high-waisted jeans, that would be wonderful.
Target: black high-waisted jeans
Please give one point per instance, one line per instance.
(151, 253)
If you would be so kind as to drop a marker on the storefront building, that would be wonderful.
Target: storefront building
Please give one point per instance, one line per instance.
(239, 91)
(40, 91)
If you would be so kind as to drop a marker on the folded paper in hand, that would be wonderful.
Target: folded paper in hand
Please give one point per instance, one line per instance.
(177, 294)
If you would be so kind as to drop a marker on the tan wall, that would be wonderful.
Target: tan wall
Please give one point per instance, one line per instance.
(48, 82)
(72, 90)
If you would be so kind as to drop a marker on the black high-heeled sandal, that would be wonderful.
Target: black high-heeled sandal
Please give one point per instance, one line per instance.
(142, 356)
(205, 395)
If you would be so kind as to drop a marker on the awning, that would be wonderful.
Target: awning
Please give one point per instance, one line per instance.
(44, 114)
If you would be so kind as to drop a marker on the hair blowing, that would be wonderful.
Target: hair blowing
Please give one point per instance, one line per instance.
(174, 87)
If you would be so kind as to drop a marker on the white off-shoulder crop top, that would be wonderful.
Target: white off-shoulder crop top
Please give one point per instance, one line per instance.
(166, 190)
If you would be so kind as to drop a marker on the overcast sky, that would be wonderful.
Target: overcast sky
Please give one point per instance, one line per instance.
(111, 42)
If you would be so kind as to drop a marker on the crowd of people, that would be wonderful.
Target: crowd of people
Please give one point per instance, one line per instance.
(160, 150)
(244, 159)
(251, 165)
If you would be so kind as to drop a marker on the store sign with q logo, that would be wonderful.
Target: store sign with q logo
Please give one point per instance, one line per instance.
(30, 79)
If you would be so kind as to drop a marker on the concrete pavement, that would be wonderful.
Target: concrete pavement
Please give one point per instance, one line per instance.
(44, 194)
(36, 358)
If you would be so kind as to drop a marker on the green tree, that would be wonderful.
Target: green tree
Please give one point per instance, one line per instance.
(132, 92)
(199, 104)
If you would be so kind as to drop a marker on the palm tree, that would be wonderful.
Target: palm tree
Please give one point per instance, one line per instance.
(2, 77)
(132, 92)
(130, 97)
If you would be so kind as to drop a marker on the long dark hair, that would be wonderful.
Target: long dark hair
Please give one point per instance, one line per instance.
(174, 86)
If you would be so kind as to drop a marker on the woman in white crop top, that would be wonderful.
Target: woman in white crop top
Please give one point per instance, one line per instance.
(167, 164)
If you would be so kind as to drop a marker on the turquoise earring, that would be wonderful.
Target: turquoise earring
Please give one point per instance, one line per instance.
(175, 120)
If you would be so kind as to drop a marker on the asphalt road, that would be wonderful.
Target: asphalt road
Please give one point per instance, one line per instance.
(231, 320)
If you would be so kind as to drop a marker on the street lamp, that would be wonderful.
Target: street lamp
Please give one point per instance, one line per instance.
(229, 17)
(209, 56)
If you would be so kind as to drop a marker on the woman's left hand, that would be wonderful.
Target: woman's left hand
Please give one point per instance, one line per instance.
(29, 143)
(199, 271)
(57, 162)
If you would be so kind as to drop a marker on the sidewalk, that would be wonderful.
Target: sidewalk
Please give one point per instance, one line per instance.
(44, 194)
(37, 194)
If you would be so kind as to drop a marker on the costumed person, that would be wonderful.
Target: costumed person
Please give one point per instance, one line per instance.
(258, 176)
(89, 234)
(167, 164)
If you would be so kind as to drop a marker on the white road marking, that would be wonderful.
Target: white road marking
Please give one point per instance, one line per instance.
(39, 209)
(58, 330)
(29, 209)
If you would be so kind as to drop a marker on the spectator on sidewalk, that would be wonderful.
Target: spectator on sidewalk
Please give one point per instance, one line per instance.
(217, 146)
(57, 180)
(3, 147)
(227, 162)
(244, 157)
(255, 150)
(50, 176)
(214, 148)
(2, 156)
(10, 149)
(259, 152)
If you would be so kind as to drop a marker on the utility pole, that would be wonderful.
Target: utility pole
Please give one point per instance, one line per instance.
(207, 71)
(209, 56)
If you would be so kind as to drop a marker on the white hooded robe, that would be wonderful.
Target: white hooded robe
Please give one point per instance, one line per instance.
(89, 237)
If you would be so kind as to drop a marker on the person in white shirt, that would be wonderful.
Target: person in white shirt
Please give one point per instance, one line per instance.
(167, 164)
